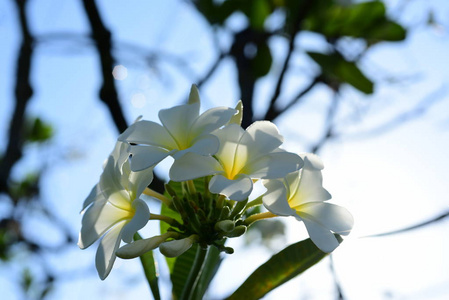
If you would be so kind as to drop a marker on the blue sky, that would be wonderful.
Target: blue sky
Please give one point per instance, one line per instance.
(388, 181)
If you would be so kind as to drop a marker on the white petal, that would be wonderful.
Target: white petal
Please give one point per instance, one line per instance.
(140, 247)
(262, 137)
(144, 157)
(275, 199)
(333, 217)
(205, 145)
(97, 219)
(312, 161)
(110, 178)
(309, 189)
(105, 257)
(95, 194)
(211, 120)
(230, 137)
(140, 180)
(320, 235)
(192, 165)
(273, 165)
(238, 189)
(140, 219)
(194, 96)
(148, 133)
(178, 121)
(237, 118)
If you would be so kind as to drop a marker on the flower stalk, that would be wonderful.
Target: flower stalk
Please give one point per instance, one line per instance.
(195, 274)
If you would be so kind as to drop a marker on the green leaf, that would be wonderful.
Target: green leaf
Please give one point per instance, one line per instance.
(280, 268)
(181, 270)
(150, 270)
(38, 131)
(367, 20)
(260, 10)
(336, 67)
(210, 268)
(164, 226)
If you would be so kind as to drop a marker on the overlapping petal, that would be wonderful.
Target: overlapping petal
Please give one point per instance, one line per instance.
(242, 156)
(105, 257)
(237, 189)
(301, 194)
(183, 130)
(192, 165)
(113, 209)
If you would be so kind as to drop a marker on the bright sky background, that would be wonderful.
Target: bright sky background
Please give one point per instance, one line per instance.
(388, 181)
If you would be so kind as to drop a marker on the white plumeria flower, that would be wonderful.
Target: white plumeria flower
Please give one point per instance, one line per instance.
(301, 194)
(242, 156)
(113, 209)
(183, 130)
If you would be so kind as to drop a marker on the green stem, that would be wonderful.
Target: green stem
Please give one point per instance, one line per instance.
(191, 187)
(220, 201)
(150, 270)
(168, 220)
(265, 215)
(194, 275)
(154, 194)
(255, 202)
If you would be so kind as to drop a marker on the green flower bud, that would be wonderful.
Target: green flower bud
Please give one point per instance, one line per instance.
(225, 225)
(238, 231)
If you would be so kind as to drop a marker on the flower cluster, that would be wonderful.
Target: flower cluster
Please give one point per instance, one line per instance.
(216, 162)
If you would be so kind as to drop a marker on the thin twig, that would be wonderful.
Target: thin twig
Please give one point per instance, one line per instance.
(419, 225)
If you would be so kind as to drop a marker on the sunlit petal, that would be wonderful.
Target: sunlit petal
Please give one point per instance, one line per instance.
(95, 194)
(262, 137)
(140, 180)
(139, 220)
(97, 219)
(273, 165)
(144, 157)
(192, 165)
(178, 121)
(238, 189)
(205, 145)
(229, 137)
(148, 133)
(322, 237)
(211, 120)
(105, 257)
(194, 96)
(275, 199)
(331, 216)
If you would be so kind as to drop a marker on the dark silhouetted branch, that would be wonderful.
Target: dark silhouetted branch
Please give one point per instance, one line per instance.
(102, 38)
(329, 131)
(23, 93)
(301, 15)
(212, 69)
(108, 91)
(273, 112)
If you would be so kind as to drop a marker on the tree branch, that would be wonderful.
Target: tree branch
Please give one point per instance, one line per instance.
(23, 93)
(301, 15)
(419, 225)
(102, 37)
(273, 112)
